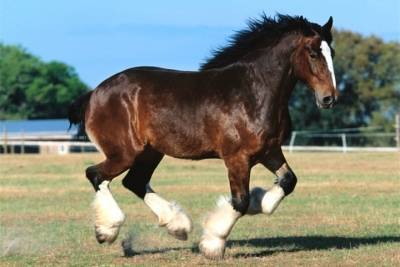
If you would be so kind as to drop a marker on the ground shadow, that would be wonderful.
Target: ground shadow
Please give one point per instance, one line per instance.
(274, 245)
(305, 243)
(129, 251)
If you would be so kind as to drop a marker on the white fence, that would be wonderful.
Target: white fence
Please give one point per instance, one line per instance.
(61, 143)
(42, 142)
(339, 142)
(336, 140)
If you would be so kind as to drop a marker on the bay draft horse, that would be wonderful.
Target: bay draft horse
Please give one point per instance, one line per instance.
(234, 108)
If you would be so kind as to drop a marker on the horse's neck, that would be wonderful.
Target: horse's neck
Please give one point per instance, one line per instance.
(273, 86)
(273, 73)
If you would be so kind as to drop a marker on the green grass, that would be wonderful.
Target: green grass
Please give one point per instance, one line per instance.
(345, 211)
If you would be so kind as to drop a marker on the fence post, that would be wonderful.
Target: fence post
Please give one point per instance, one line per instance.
(22, 142)
(4, 140)
(344, 143)
(12, 147)
(291, 143)
(398, 130)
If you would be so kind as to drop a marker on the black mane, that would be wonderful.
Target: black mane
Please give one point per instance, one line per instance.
(260, 33)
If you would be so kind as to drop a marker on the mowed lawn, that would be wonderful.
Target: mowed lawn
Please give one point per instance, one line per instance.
(345, 211)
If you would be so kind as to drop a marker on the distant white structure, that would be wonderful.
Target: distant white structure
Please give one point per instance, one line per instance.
(40, 136)
(53, 137)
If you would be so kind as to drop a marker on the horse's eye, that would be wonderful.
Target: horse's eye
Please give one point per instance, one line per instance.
(313, 54)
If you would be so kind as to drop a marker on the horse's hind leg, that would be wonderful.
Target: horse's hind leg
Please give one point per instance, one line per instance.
(108, 216)
(169, 214)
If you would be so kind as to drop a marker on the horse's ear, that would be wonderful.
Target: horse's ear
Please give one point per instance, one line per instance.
(328, 26)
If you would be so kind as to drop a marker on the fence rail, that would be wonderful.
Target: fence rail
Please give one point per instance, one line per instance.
(62, 143)
(343, 140)
(340, 149)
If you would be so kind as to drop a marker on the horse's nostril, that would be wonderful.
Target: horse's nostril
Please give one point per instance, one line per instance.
(327, 100)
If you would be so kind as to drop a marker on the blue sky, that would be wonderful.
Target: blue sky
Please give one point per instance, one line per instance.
(100, 38)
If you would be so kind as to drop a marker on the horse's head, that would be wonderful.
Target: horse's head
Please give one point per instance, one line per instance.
(313, 65)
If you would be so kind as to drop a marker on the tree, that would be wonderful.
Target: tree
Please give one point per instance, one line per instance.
(31, 88)
(368, 78)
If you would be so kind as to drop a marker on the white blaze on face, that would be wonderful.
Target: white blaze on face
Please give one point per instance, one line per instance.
(326, 52)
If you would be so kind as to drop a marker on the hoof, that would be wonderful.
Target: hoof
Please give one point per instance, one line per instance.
(107, 234)
(180, 224)
(100, 237)
(180, 234)
(212, 247)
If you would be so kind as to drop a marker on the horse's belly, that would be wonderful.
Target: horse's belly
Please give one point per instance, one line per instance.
(183, 145)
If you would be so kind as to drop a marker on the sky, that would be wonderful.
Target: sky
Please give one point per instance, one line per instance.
(99, 38)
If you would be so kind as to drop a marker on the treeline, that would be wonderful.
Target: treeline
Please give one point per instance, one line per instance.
(367, 73)
(33, 89)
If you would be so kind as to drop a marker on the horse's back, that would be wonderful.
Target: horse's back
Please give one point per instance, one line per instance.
(179, 113)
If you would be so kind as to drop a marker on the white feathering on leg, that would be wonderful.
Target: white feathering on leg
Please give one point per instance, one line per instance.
(159, 206)
(265, 201)
(169, 215)
(180, 224)
(216, 228)
(272, 199)
(108, 215)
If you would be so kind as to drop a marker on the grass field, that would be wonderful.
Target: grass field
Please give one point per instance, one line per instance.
(345, 211)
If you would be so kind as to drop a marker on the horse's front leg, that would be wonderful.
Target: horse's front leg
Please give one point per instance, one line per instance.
(219, 223)
(266, 201)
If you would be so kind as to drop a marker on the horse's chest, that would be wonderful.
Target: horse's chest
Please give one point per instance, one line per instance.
(277, 131)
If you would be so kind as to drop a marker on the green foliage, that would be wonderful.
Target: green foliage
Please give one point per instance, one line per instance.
(31, 88)
(368, 78)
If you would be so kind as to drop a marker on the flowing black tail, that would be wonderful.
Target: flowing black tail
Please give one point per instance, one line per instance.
(76, 112)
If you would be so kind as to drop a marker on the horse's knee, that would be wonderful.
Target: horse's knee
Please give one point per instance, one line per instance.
(92, 174)
(241, 204)
(287, 182)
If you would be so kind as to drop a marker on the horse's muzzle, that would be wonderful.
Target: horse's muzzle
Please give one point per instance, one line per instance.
(326, 102)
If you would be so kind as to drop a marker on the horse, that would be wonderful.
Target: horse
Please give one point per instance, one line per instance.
(234, 108)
